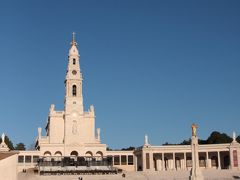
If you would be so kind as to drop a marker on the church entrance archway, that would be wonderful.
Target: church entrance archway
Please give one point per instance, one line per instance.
(58, 153)
(74, 153)
(89, 154)
(47, 153)
(99, 155)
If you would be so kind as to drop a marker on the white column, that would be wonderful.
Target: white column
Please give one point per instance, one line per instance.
(135, 160)
(207, 162)
(163, 162)
(158, 164)
(151, 162)
(174, 162)
(219, 160)
(144, 161)
(185, 161)
(120, 159)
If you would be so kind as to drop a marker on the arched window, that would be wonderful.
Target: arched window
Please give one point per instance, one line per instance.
(74, 90)
(74, 61)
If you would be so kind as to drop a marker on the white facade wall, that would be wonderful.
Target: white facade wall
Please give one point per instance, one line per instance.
(8, 168)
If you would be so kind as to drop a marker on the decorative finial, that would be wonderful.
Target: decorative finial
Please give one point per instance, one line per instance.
(73, 39)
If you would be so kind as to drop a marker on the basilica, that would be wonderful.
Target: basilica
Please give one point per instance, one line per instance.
(71, 133)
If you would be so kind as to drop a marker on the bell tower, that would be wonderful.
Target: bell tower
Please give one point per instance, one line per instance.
(73, 105)
(73, 81)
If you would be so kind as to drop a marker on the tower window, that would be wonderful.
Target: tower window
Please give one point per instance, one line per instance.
(74, 90)
(74, 61)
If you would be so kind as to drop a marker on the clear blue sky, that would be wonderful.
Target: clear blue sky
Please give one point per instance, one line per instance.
(151, 67)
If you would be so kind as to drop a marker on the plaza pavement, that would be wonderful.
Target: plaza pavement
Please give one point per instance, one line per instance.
(167, 175)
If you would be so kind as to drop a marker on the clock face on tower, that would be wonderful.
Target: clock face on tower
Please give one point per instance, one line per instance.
(74, 72)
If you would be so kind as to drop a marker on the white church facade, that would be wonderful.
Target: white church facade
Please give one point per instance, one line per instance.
(72, 133)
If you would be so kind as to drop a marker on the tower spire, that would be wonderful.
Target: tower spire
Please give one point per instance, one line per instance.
(73, 39)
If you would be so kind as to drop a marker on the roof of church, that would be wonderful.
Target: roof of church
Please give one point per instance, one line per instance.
(4, 155)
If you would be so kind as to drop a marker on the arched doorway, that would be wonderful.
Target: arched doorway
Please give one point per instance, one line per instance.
(99, 155)
(47, 153)
(88, 154)
(58, 153)
(74, 153)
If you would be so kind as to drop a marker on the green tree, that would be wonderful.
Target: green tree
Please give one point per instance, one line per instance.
(109, 149)
(20, 146)
(238, 139)
(8, 142)
(218, 138)
(128, 149)
(186, 142)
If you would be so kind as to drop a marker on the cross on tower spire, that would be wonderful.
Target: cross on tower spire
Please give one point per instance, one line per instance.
(73, 39)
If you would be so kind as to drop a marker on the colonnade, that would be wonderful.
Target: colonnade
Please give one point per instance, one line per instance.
(164, 161)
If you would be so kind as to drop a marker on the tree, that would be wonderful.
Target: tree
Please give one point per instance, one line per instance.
(109, 149)
(218, 138)
(238, 139)
(186, 142)
(8, 142)
(20, 146)
(128, 149)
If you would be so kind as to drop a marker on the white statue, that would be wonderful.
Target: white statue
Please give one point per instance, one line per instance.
(146, 139)
(91, 108)
(234, 136)
(3, 145)
(52, 107)
(3, 138)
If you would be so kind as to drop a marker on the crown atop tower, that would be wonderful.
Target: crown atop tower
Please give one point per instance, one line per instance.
(73, 50)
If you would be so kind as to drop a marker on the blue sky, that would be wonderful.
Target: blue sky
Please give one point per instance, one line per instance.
(151, 67)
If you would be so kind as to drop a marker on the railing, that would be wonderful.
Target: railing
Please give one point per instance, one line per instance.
(75, 165)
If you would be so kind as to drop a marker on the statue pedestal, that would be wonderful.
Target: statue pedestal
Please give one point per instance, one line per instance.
(3, 147)
(195, 173)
